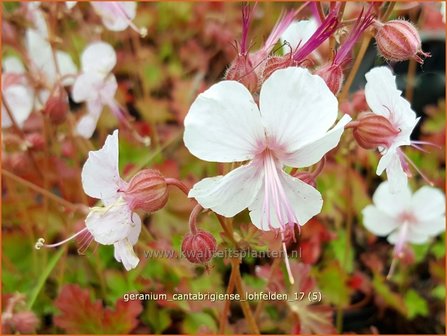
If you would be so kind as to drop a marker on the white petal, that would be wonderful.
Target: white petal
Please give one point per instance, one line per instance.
(110, 224)
(135, 230)
(312, 152)
(115, 15)
(298, 33)
(98, 57)
(431, 227)
(296, 107)
(41, 55)
(87, 87)
(20, 100)
(108, 89)
(86, 126)
(100, 175)
(124, 253)
(224, 124)
(66, 67)
(13, 64)
(70, 4)
(230, 194)
(377, 221)
(304, 199)
(392, 203)
(428, 203)
(396, 175)
(412, 237)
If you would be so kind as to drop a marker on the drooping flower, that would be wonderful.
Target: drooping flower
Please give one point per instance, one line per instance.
(96, 86)
(18, 94)
(290, 128)
(385, 100)
(405, 217)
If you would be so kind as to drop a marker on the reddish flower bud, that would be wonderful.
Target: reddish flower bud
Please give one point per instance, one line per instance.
(242, 70)
(147, 191)
(199, 247)
(276, 63)
(306, 177)
(36, 141)
(57, 105)
(333, 76)
(8, 33)
(25, 322)
(374, 131)
(398, 40)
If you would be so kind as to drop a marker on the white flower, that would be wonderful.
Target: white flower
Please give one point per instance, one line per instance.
(385, 99)
(115, 223)
(405, 217)
(18, 94)
(96, 85)
(298, 33)
(290, 128)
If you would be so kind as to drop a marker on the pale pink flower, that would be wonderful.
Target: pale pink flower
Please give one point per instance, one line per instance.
(385, 99)
(405, 217)
(290, 128)
(96, 86)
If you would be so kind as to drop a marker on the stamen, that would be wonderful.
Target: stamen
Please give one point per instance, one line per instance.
(286, 259)
(398, 248)
(41, 241)
(426, 179)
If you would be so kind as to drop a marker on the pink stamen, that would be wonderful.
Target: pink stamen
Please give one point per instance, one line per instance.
(41, 242)
(286, 259)
(398, 248)
(405, 158)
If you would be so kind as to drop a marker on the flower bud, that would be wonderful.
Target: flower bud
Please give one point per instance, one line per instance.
(199, 247)
(36, 141)
(306, 177)
(56, 106)
(333, 76)
(241, 70)
(147, 191)
(276, 63)
(25, 322)
(398, 40)
(374, 131)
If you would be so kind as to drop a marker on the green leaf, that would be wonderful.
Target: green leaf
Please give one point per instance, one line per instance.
(393, 299)
(439, 292)
(416, 305)
(199, 322)
(338, 246)
(332, 282)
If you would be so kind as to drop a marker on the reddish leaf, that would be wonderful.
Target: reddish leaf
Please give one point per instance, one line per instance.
(124, 318)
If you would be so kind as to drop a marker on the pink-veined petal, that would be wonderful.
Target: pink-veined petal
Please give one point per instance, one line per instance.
(230, 194)
(124, 253)
(392, 203)
(98, 57)
(378, 222)
(100, 175)
(296, 107)
(428, 203)
(304, 200)
(224, 124)
(115, 15)
(312, 152)
(110, 224)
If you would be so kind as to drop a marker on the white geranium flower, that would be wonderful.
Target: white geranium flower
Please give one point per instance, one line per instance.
(385, 100)
(18, 94)
(115, 223)
(405, 217)
(290, 127)
(96, 86)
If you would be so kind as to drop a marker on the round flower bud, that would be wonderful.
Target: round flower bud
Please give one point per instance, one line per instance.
(199, 247)
(333, 76)
(147, 191)
(241, 70)
(25, 322)
(398, 40)
(56, 106)
(374, 131)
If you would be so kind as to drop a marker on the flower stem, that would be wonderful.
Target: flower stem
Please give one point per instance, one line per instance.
(224, 314)
(177, 183)
(244, 304)
(193, 218)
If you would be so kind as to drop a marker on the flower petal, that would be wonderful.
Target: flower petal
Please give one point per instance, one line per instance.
(20, 100)
(392, 203)
(428, 203)
(377, 221)
(125, 254)
(297, 107)
(431, 228)
(224, 124)
(115, 15)
(110, 224)
(298, 33)
(85, 87)
(41, 55)
(98, 57)
(312, 152)
(411, 237)
(66, 67)
(100, 175)
(396, 175)
(13, 64)
(230, 194)
(304, 199)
